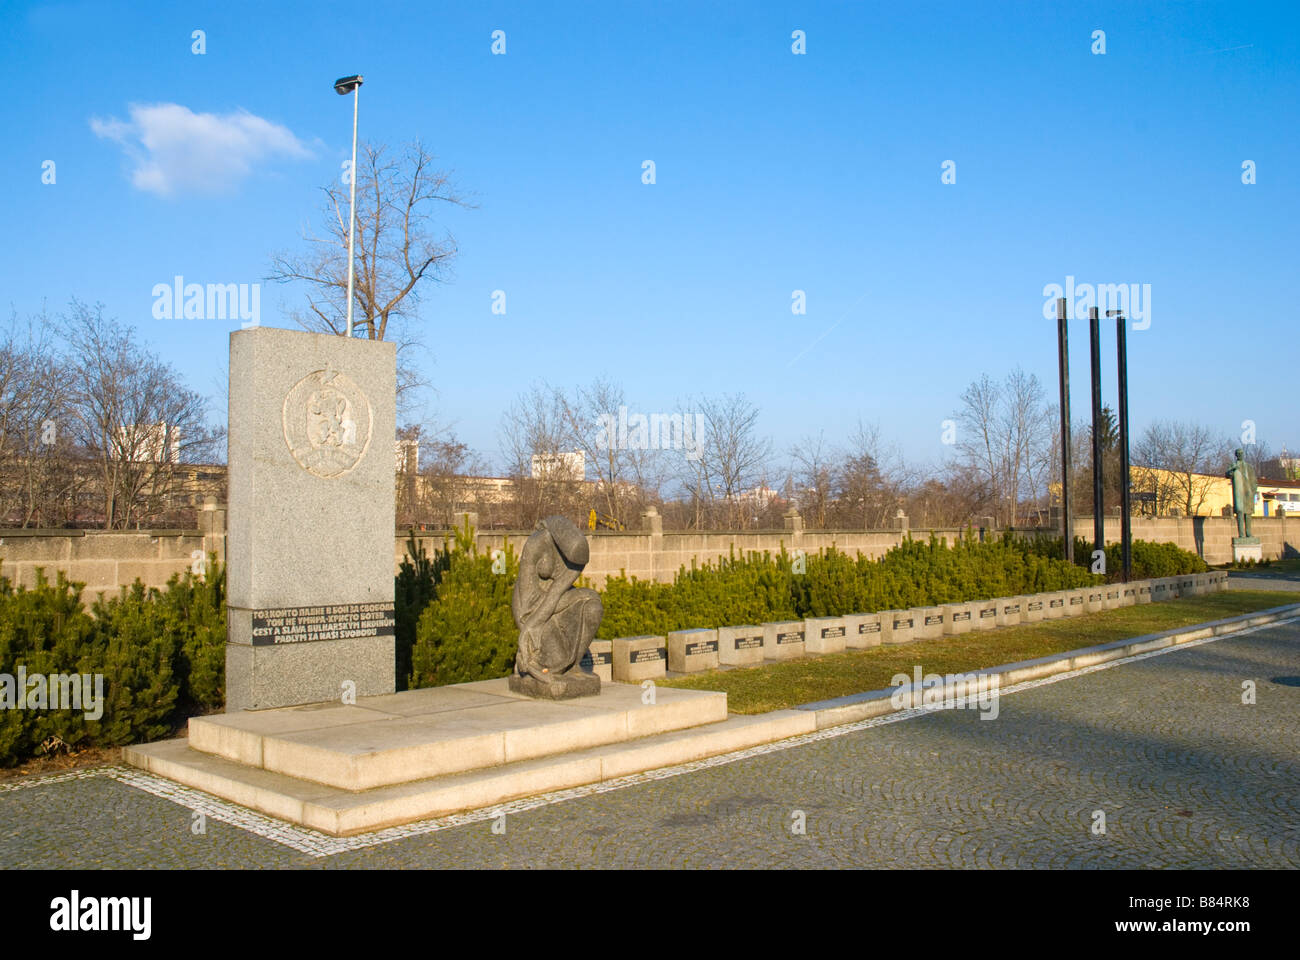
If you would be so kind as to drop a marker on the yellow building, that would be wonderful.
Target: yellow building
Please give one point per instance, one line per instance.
(1205, 495)
(1165, 493)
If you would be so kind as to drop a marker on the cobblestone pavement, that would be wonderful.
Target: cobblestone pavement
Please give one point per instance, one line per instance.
(1185, 773)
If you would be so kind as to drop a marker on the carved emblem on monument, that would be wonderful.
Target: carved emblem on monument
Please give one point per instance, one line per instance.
(327, 423)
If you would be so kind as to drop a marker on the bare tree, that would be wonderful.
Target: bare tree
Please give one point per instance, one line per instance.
(872, 480)
(1180, 462)
(535, 433)
(732, 461)
(815, 467)
(978, 440)
(1027, 431)
(628, 470)
(1004, 438)
(398, 252)
(131, 414)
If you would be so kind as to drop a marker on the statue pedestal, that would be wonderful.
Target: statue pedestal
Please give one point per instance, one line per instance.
(566, 686)
(1247, 548)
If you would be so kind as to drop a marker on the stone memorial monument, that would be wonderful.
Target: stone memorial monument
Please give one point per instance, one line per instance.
(1244, 488)
(310, 542)
(557, 621)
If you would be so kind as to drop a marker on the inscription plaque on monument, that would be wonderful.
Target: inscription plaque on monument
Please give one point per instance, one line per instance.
(337, 622)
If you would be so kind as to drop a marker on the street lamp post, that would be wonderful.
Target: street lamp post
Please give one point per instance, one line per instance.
(343, 86)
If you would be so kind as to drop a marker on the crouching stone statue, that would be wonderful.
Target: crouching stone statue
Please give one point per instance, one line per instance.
(556, 620)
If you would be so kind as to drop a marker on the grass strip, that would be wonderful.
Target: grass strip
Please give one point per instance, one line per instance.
(779, 686)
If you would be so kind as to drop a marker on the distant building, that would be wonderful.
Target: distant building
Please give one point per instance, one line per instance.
(408, 456)
(559, 466)
(148, 443)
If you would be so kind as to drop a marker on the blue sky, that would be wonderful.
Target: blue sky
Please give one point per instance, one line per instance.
(775, 172)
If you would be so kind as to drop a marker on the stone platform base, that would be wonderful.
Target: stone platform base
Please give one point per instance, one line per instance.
(566, 686)
(1247, 548)
(423, 753)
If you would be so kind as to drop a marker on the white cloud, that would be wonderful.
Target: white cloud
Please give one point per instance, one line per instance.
(173, 148)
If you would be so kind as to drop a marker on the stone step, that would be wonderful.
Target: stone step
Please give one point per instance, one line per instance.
(435, 732)
(340, 812)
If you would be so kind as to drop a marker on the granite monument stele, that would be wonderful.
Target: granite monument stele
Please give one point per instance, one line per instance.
(311, 518)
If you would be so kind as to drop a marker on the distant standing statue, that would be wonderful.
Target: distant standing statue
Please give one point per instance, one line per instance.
(556, 620)
(1243, 493)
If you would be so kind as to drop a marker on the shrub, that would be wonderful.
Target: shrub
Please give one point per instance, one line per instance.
(1149, 559)
(160, 653)
(412, 591)
(466, 631)
(47, 631)
(136, 652)
(762, 588)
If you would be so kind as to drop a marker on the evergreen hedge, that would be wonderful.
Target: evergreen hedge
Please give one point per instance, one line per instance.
(761, 587)
(161, 654)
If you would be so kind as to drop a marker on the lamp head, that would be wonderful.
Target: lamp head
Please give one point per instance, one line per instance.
(345, 85)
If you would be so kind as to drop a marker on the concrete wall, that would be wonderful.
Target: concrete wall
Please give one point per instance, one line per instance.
(658, 556)
(1209, 537)
(104, 560)
(107, 559)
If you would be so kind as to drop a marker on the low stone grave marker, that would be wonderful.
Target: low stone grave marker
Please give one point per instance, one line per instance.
(690, 651)
(928, 622)
(783, 640)
(1009, 611)
(599, 659)
(741, 646)
(1094, 600)
(862, 630)
(639, 658)
(1033, 608)
(958, 618)
(1055, 608)
(898, 626)
(825, 634)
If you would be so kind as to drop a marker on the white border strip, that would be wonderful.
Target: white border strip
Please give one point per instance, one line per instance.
(316, 844)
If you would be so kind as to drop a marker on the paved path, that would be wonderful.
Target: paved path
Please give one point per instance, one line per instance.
(1264, 581)
(1186, 774)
